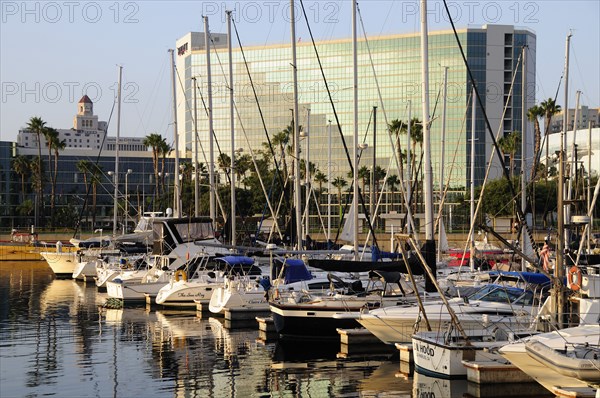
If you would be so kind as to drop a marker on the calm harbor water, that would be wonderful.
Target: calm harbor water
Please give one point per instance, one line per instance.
(57, 340)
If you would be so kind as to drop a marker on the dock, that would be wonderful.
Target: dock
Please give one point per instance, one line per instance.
(360, 341)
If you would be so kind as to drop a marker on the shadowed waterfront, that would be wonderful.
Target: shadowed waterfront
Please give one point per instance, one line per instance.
(58, 341)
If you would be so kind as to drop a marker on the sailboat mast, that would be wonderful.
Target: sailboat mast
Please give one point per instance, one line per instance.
(443, 156)
(589, 188)
(211, 154)
(355, 138)
(573, 163)
(328, 183)
(231, 124)
(428, 178)
(524, 236)
(297, 193)
(408, 172)
(176, 196)
(562, 235)
(307, 181)
(116, 175)
(472, 201)
(196, 171)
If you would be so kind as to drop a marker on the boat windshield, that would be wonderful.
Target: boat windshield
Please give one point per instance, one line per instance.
(190, 232)
(502, 294)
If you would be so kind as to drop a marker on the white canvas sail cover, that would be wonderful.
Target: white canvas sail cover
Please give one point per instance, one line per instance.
(443, 239)
(347, 233)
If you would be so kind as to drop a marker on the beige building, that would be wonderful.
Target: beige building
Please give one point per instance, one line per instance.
(87, 133)
(584, 117)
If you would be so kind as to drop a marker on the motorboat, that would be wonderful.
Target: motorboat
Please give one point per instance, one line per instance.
(135, 267)
(507, 306)
(566, 358)
(315, 316)
(240, 294)
(197, 287)
(440, 353)
(129, 288)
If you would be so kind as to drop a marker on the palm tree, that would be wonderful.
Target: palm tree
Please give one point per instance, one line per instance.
(339, 183)
(96, 175)
(320, 178)
(282, 139)
(85, 167)
(37, 178)
(164, 149)
(509, 144)
(533, 114)
(398, 127)
(242, 164)
(53, 143)
(22, 166)
(378, 175)
(365, 175)
(393, 181)
(549, 109)
(154, 141)
(37, 126)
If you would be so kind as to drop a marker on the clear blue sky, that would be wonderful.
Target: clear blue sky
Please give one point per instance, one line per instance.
(52, 52)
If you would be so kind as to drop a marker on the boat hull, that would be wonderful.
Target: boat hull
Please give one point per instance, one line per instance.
(61, 263)
(85, 269)
(186, 293)
(132, 291)
(232, 299)
(301, 322)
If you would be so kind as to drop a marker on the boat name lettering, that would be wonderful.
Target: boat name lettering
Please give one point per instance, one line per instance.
(424, 349)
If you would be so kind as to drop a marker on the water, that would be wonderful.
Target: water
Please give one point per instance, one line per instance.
(56, 340)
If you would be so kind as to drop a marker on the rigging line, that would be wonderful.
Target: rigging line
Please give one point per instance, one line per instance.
(262, 118)
(583, 80)
(278, 172)
(360, 195)
(152, 92)
(489, 167)
(197, 87)
(393, 144)
(458, 143)
(87, 193)
(520, 214)
(258, 174)
(189, 108)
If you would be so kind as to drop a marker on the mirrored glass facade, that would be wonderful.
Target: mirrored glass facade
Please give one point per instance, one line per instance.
(389, 74)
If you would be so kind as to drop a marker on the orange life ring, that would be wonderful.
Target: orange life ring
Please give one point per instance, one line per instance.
(182, 274)
(574, 278)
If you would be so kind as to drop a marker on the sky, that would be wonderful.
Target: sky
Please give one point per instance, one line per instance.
(54, 52)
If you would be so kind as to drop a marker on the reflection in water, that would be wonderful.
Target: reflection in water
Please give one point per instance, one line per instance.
(58, 340)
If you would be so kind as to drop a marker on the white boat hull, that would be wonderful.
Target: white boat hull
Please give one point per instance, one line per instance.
(228, 298)
(85, 269)
(396, 324)
(186, 293)
(550, 378)
(62, 264)
(133, 291)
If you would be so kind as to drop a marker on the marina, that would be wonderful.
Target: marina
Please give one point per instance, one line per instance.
(59, 338)
(255, 272)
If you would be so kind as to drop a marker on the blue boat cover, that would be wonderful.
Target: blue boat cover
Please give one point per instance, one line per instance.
(377, 254)
(529, 277)
(236, 260)
(296, 271)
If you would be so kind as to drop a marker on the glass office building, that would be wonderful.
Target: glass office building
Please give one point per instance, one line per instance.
(389, 75)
